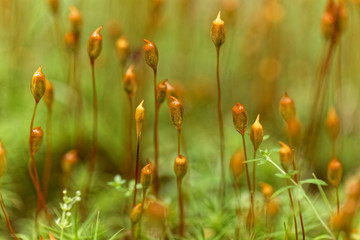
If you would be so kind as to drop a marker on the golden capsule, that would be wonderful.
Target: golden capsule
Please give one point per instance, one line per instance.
(218, 31)
(71, 41)
(2, 160)
(95, 44)
(129, 81)
(287, 108)
(54, 5)
(69, 160)
(256, 133)
(37, 137)
(122, 49)
(286, 156)
(139, 117)
(161, 89)
(334, 172)
(240, 118)
(151, 54)
(75, 19)
(332, 124)
(38, 84)
(180, 166)
(176, 113)
(267, 190)
(294, 128)
(136, 213)
(237, 164)
(146, 176)
(49, 95)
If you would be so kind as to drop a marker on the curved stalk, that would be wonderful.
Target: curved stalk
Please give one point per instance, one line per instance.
(251, 210)
(48, 161)
(7, 219)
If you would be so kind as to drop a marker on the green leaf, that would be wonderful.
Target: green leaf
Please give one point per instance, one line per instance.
(266, 137)
(281, 190)
(313, 181)
(280, 175)
(324, 236)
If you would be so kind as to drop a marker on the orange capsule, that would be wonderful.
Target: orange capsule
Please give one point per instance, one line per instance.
(69, 160)
(218, 31)
(139, 117)
(332, 124)
(51, 236)
(49, 95)
(136, 213)
(237, 164)
(38, 84)
(71, 41)
(54, 5)
(342, 16)
(272, 208)
(161, 89)
(75, 19)
(256, 133)
(180, 166)
(240, 118)
(129, 81)
(151, 54)
(334, 172)
(37, 137)
(2, 160)
(122, 49)
(146, 176)
(286, 156)
(294, 128)
(328, 21)
(287, 108)
(176, 113)
(267, 190)
(95, 44)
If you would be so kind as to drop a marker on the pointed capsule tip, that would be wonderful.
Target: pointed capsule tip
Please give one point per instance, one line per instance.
(98, 29)
(146, 41)
(285, 94)
(258, 118)
(282, 144)
(218, 16)
(142, 103)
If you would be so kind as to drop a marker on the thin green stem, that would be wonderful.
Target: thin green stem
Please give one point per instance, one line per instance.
(136, 169)
(305, 196)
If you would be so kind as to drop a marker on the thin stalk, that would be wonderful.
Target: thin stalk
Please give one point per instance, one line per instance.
(221, 128)
(181, 208)
(337, 200)
(237, 210)
(254, 176)
(48, 161)
(179, 140)
(305, 196)
(296, 180)
(156, 145)
(95, 126)
(251, 210)
(2, 204)
(34, 174)
(293, 209)
(137, 168)
(144, 195)
(130, 154)
(78, 118)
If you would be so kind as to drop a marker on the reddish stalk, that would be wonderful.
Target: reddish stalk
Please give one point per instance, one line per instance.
(48, 161)
(7, 219)
(156, 145)
(181, 208)
(293, 209)
(251, 210)
(221, 128)
(136, 169)
(130, 154)
(95, 126)
(179, 140)
(34, 174)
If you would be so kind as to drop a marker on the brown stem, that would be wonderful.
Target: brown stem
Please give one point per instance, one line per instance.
(34, 174)
(181, 208)
(296, 180)
(2, 204)
(251, 210)
(137, 168)
(144, 195)
(95, 127)
(48, 161)
(156, 146)
(78, 118)
(179, 140)
(254, 176)
(130, 154)
(293, 209)
(337, 200)
(221, 128)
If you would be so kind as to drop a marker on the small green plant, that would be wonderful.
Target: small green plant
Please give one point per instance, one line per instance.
(64, 221)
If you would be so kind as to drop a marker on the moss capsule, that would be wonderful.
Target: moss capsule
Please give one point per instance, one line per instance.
(37, 137)
(256, 133)
(146, 176)
(240, 118)
(49, 95)
(161, 91)
(218, 31)
(176, 113)
(151, 54)
(95, 44)
(129, 81)
(286, 156)
(38, 84)
(180, 166)
(139, 117)
(237, 164)
(136, 213)
(334, 172)
(287, 108)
